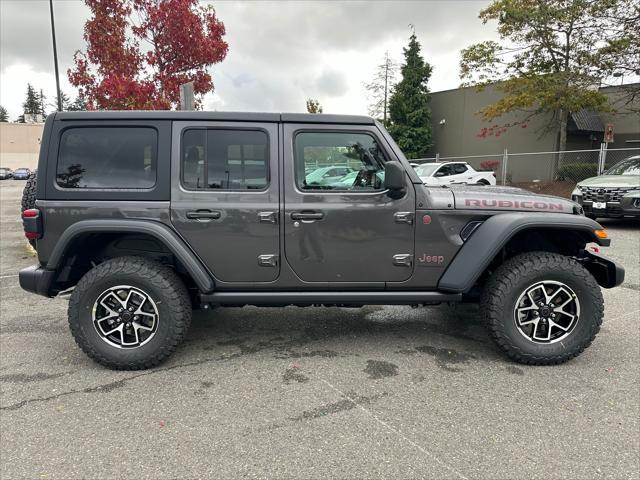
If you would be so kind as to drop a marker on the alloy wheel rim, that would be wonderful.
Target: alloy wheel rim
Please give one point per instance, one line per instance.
(125, 316)
(547, 312)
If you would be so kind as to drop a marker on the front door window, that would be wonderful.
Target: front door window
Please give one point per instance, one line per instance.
(339, 161)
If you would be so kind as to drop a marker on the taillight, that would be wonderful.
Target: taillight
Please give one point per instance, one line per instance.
(32, 224)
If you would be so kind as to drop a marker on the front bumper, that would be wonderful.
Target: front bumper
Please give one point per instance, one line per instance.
(36, 279)
(627, 206)
(608, 273)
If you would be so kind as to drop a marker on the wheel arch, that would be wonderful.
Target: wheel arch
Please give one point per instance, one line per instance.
(503, 235)
(103, 233)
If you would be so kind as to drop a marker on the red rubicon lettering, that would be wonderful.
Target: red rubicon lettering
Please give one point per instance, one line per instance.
(513, 204)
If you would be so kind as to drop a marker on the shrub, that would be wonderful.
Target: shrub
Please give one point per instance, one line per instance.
(576, 172)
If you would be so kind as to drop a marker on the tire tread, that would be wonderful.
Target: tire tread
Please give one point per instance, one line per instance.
(176, 299)
(503, 280)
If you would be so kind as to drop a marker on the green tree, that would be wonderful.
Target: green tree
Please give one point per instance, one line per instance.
(78, 105)
(4, 116)
(380, 87)
(552, 57)
(313, 106)
(409, 112)
(31, 104)
(43, 102)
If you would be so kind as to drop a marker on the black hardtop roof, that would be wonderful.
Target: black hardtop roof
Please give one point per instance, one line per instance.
(214, 116)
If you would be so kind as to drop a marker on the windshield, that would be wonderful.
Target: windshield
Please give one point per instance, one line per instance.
(629, 166)
(426, 170)
(3, 170)
(21, 170)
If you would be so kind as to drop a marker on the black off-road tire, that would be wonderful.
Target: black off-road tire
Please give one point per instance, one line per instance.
(512, 279)
(29, 193)
(163, 286)
(29, 198)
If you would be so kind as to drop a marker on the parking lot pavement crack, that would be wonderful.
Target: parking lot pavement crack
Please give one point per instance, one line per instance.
(359, 405)
(109, 386)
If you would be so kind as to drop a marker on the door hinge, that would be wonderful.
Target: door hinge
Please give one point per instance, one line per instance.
(403, 217)
(268, 217)
(403, 260)
(268, 260)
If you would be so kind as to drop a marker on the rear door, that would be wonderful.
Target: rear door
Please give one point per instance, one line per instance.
(225, 196)
(350, 231)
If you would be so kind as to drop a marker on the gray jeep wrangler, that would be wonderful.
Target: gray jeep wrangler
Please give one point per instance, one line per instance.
(143, 216)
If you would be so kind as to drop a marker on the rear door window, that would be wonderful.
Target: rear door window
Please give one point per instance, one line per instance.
(459, 168)
(108, 158)
(225, 159)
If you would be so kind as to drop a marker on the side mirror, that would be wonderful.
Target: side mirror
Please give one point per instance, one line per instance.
(441, 173)
(394, 177)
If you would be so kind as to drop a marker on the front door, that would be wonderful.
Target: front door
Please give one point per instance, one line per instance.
(345, 229)
(225, 197)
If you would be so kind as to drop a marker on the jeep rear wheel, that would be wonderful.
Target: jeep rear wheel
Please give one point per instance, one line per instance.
(542, 308)
(129, 313)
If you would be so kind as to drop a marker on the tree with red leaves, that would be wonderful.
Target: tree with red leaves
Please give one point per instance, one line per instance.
(140, 64)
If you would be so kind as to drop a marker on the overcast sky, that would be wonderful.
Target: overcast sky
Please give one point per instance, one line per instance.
(280, 53)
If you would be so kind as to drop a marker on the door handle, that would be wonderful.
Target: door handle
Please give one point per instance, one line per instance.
(403, 260)
(203, 215)
(307, 215)
(268, 217)
(403, 217)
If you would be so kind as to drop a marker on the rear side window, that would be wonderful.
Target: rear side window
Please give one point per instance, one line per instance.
(459, 168)
(225, 159)
(108, 157)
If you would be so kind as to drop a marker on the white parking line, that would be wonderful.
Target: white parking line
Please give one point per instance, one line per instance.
(397, 432)
(9, 276)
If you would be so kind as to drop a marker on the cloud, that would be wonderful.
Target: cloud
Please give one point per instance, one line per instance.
(280, 53)
(331, 83)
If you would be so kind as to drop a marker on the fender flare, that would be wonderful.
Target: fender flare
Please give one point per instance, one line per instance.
(489, 238)
(164, 234)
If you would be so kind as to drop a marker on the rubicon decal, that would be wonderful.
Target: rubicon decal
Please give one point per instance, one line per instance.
(514, 204)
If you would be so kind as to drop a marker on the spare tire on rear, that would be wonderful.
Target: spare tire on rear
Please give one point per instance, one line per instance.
(29, 193)
(29, 198)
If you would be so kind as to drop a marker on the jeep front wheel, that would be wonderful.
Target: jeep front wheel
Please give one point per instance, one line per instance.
(542, 308)
(129, 313)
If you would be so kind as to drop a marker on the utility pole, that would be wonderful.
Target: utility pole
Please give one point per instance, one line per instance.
(55, 56)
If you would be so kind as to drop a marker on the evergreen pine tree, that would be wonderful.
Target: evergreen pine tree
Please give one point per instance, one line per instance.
(4, 116)
(31, 104)
(409, 110)
(78, 105)
(43, 109)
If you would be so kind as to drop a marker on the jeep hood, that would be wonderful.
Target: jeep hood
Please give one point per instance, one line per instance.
(611, 181)
(469, 197)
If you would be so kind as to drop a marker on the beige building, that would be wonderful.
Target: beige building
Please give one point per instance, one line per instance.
(20, 144)
(457, 125)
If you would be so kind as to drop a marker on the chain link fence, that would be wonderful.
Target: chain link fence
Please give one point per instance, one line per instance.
(550, 173)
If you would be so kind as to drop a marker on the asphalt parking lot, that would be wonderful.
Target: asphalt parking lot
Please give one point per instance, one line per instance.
(316, 392)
